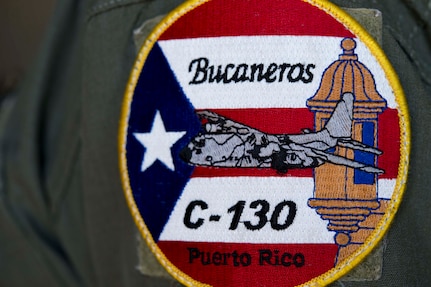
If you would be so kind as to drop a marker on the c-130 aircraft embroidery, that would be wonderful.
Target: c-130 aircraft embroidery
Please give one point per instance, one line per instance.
(226, 143)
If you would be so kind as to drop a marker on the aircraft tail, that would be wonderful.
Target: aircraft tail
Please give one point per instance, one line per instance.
(339, 124)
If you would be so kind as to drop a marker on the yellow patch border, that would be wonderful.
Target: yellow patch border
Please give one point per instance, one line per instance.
(372, 240)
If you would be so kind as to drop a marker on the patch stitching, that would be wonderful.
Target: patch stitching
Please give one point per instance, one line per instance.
(354, 258)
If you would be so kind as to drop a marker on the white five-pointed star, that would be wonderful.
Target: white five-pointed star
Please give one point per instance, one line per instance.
(158, 143)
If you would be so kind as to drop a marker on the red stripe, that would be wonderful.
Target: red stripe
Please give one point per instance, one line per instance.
(258, 172)
(272, 120)
(255, 17)
(221, 271)
(292, 121)
(389, 143)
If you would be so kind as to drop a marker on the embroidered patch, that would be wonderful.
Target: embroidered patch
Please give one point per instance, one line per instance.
(262, 143)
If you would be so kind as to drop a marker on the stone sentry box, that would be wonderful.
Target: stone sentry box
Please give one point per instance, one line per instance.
(344, 196)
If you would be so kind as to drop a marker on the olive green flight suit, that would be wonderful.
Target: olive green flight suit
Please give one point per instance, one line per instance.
(63, 217)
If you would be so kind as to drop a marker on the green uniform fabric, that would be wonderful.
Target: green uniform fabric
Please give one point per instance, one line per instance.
(63, 217)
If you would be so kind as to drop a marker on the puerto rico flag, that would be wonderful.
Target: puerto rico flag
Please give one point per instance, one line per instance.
(200, 217)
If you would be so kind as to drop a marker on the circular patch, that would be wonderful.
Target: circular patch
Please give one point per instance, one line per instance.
(262, 143)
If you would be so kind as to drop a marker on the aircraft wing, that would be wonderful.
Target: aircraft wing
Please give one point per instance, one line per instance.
(339, 160)
(349, 143)
(219, 124)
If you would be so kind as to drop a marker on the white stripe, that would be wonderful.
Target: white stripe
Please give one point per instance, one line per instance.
(386, 187)
(222, 193)
(320, 51)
